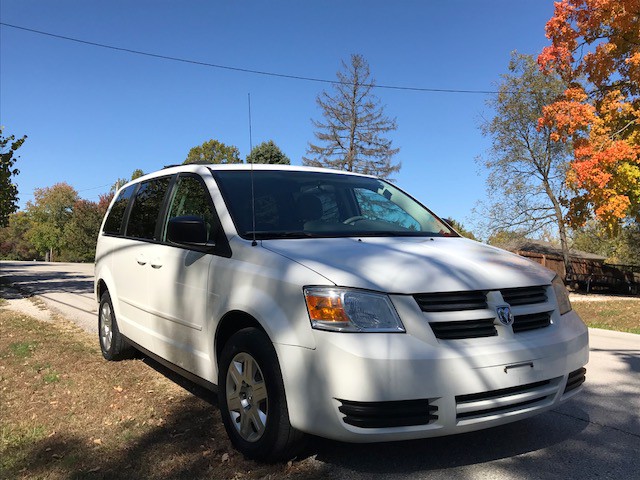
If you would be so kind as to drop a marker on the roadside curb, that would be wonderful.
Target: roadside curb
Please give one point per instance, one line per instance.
(615, 334)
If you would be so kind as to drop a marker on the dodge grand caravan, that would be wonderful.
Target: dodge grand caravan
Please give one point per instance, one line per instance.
(329, 303)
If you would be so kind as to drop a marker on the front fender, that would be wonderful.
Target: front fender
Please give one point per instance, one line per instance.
(285, 321)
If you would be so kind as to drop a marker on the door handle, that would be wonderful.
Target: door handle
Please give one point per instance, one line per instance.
(141, 259)
(156, 263)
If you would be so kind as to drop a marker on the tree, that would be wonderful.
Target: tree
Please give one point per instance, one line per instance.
(621, 248)
(137, 173)
(268, 152)
(352, 135)
(507, 239)
(104, 200)
(213, 151)
(49, 212)
(81, 231)
(14, 244)
(598, 41)
(8, 189)
(458, 227)
(527, 168)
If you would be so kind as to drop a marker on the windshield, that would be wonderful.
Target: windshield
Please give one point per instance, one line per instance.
(299, 204)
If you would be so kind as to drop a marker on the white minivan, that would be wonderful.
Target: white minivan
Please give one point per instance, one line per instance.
(329, 303)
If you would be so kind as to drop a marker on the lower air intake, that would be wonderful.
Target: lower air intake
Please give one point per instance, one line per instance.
(575, 379)
(402, 413)
(506, 400)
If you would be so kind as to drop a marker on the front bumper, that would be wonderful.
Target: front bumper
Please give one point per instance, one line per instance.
(346, 387)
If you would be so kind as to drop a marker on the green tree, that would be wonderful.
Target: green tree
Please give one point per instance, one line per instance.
(213, 151)
(458, 227)
(526, 184)
(49, 212)
(14, 244)
(8, 189)
(268, 152)
(352, 135)
(623, 247)
(137, 173)
(628, 247)
(81, 232)
(507, 239)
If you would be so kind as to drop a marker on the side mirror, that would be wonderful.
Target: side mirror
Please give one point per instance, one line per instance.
(188, 230)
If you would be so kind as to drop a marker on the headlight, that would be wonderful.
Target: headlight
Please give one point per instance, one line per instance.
(346, 310)
(561, 295)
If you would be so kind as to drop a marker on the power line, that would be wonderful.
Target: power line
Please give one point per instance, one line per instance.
(243, 70)
(77, 191)
(94, 188)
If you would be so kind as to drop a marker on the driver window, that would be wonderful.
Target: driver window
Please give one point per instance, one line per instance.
(191, 198)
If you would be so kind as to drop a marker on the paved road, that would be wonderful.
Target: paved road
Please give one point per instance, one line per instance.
(66, 288)
(596, 435)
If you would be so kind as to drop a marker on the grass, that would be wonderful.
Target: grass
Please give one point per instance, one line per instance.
(620, 315)
(22, 349)
(67, 413)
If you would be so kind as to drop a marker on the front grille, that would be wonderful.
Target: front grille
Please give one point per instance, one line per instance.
(477, 300)
(575, 379)
(525, 295)
(533, 321)
(452, 301)
(484, 404)
(401, 413)
(464, 329)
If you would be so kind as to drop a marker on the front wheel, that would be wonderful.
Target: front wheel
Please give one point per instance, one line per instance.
(252, 398)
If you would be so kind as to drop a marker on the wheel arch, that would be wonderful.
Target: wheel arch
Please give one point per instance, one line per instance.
(101, 287)
(231, 323)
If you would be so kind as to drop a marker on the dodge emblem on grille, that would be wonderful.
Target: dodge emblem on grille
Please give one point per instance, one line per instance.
(504, 315)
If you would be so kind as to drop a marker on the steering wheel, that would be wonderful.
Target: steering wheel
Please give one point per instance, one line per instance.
(354, 219)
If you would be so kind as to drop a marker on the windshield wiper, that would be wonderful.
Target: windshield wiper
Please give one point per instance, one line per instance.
(271, 234)
(388, 233)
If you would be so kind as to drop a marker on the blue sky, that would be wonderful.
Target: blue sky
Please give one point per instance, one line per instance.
(93, 115)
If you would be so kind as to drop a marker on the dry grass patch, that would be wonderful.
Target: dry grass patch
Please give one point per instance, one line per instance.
(67, 413)
(620, 315)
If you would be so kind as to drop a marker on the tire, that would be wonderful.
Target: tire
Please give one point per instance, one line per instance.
(252, 399)
(112, 343)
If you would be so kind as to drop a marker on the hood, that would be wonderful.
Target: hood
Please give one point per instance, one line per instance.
(408, 265)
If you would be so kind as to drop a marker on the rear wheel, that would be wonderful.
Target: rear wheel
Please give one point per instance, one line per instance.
(112, 343)
(252, 398)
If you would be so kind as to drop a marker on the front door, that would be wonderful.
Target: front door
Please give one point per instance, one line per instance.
(179, 276)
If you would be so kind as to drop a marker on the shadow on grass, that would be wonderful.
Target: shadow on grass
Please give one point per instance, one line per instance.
(192, 443)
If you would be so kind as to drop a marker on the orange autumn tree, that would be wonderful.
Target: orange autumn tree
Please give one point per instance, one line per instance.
(596, 50)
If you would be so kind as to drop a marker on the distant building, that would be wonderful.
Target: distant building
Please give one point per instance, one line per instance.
(588, 271)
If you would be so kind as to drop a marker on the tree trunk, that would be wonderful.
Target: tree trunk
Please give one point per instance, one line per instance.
(562, 230)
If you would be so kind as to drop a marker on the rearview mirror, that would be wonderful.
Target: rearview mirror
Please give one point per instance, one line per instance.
(188, 230)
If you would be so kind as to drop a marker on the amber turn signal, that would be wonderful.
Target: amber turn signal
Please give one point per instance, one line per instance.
(326, 308)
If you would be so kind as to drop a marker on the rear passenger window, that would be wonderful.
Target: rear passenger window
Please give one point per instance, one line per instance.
(114, 221)
(191, 198)
(146, 208)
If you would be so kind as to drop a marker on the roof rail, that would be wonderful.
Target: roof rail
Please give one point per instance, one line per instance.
(198, 162)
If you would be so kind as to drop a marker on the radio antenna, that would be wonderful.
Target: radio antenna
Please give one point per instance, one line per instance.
(253, 196)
